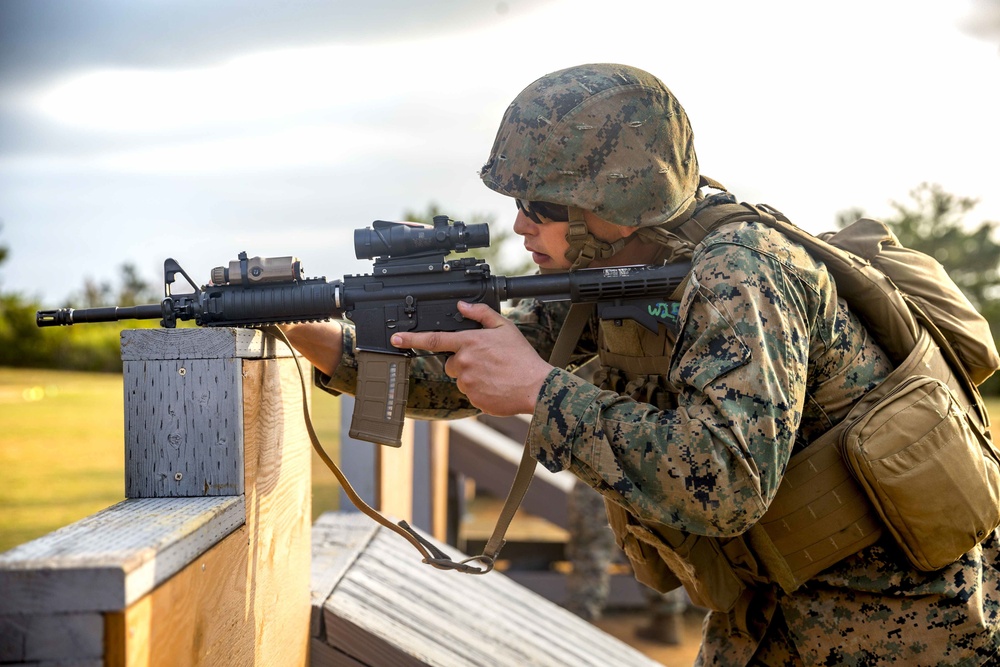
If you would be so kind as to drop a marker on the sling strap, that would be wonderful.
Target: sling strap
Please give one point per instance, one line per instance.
(569, 334)
(431, 554)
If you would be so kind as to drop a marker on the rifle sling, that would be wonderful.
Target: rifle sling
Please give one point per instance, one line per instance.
(577, 318)
(431, 554)
(569, 334)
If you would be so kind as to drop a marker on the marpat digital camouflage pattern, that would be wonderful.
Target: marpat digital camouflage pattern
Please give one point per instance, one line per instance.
(766, 359)
(606, 138)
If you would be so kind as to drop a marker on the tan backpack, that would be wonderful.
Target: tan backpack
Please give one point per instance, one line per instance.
(919, 446)
(925, 287)
(914, 456)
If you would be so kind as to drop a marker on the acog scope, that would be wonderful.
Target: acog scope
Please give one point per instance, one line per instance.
(401, 239)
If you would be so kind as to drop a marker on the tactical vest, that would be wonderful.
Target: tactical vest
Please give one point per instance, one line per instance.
(825, 508)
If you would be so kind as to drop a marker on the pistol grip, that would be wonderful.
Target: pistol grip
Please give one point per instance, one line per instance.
(380, 398)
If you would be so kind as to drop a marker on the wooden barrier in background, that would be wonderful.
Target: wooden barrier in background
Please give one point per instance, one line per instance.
(423, 483)
(377, 605)
(409, 482)
(207, 560)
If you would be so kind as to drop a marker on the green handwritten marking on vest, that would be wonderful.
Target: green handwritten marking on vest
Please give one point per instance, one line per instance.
(664, 310)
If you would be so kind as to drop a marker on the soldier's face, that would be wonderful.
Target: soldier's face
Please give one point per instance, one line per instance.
(547, 241)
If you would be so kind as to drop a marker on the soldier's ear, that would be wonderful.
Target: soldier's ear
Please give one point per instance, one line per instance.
(603, 229)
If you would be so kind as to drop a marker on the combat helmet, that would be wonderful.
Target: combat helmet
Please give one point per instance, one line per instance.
(605, 138)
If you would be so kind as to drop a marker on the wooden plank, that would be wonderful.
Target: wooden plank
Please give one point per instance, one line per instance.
(504, 630)
(39, 637)
(110, 559)
(200, 343)
(439, 443)
(422, 510)
(515, 428)
(184, 409)
(337, 539)
(279, 508)
(245, 602)
(323, 655)
(472, 620)
(491, 458)
(202, 615)
(366, 648)
(624, 590)
(430, 477)
(391, 609)
(183, 428)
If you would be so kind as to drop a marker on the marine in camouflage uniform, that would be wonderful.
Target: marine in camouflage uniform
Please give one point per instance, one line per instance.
(762, 358)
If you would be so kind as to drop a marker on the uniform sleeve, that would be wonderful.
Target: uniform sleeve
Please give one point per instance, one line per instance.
(712, 465)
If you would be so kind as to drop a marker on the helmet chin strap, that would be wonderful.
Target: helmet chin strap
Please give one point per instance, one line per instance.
(584, 247)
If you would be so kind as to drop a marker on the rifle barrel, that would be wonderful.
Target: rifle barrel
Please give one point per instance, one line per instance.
(67, 316)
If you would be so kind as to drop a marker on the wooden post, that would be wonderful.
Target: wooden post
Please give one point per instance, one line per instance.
(207, 560)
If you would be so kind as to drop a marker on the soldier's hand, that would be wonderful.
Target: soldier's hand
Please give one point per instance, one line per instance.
(494, 366)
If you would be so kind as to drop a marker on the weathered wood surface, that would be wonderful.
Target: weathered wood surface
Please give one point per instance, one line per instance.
(381, 606)
(184, 409)
(182, 581)
(246, 601)
(207, 343)
(183, 428)
(111, 559)
(35, 638)
(491, 457)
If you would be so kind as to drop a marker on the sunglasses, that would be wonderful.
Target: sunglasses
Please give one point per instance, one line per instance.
(536, 210)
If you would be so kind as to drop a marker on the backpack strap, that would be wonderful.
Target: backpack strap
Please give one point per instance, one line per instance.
(894, 319)
(820, 513)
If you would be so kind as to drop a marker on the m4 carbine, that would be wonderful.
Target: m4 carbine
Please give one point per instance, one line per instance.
(413, 287)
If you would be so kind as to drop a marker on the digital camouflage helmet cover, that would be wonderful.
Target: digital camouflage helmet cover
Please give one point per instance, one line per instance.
(605, 138)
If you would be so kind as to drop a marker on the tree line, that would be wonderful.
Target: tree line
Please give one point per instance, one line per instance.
(932, 221)
(95, 347)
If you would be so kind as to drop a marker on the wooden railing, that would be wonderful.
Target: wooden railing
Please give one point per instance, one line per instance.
(207, 559)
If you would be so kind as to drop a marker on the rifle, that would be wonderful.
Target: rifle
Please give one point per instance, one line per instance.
(413, 287)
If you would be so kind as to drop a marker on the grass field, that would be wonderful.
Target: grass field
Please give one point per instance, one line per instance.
(62, 449)
(62, 452)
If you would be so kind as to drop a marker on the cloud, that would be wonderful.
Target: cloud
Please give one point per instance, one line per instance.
(42, 37)
(197, 129)
(982, 20)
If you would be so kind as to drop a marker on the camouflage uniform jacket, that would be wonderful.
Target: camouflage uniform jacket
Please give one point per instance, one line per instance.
(766, 359)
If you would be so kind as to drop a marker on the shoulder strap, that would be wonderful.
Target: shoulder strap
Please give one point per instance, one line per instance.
(894, 319)
(569, 334)
(432, 555)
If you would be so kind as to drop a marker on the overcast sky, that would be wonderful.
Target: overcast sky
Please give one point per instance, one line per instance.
(135, 131)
